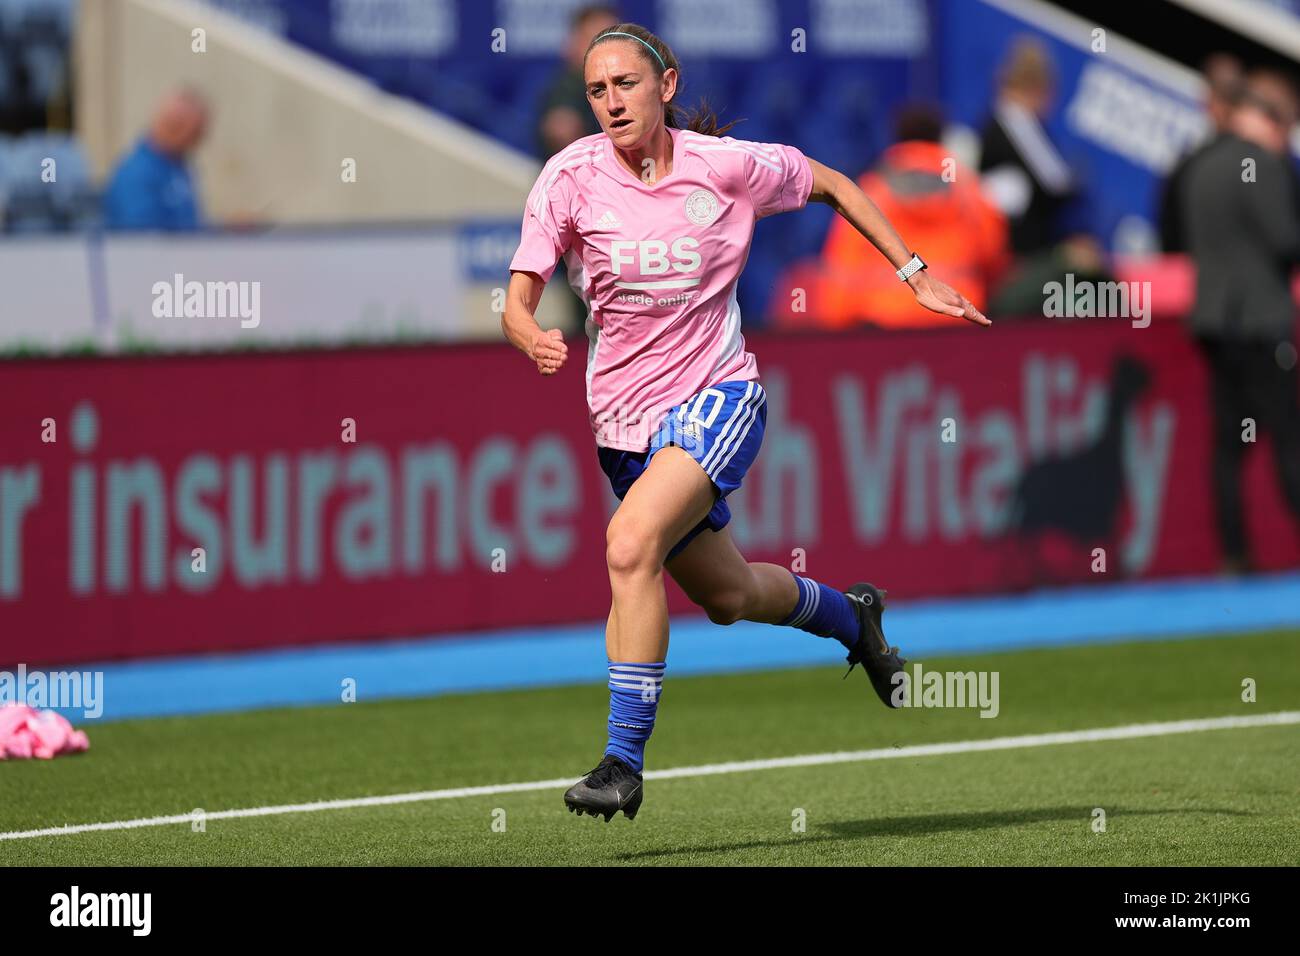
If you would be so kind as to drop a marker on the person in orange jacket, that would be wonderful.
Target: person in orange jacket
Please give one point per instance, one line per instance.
(938, 205)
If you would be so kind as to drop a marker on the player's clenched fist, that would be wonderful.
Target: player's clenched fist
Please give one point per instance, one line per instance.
(549, 351)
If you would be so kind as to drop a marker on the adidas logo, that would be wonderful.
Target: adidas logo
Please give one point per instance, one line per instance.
(608, 221)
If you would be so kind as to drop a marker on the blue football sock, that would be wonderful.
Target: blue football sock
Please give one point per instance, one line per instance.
(634, 691)
(823, 611)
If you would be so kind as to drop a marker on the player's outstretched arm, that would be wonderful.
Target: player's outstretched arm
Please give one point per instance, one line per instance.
(546, 348)
(843, 195)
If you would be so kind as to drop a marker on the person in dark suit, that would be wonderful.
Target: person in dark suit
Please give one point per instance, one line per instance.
(1223, 86)
(1238, 205)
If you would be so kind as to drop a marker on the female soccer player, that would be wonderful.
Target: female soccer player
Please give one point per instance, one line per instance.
(654, 217)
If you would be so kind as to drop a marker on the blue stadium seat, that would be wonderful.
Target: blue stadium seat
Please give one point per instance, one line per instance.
(11, 14)
(774, 108)
(73, 180)
(22, 169)
(5, 146)
(35, 205)
(806, 232)
(851, 119)
(452, 95)
(518, 97)
(47, 68)
(87, 212)
(38, 19)
(31, 214)
(705, 80)
(25, 203)
(758, 282)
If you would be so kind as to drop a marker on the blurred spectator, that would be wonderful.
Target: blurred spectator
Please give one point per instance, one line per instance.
(1237, 200)
(1022, 170)
(1029, 180)
(939, 208)
(566, 114)
(1078, 258)
(1223, 86)
(152, 187)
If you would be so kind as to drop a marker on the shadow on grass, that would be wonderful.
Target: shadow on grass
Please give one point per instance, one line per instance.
(922, 825)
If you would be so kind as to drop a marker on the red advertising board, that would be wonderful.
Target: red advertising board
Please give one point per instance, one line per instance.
(371, 493)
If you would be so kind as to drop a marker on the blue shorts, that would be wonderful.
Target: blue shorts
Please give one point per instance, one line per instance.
(721, 428)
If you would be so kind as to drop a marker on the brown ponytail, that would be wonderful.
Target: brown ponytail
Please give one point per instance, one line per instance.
(701, 119)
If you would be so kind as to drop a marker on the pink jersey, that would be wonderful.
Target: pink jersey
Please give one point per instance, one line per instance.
(657, 266)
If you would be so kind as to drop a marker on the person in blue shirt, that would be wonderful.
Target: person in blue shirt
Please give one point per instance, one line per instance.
(152, 188)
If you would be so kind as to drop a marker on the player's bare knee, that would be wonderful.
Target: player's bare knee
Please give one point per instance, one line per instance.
(629, 549)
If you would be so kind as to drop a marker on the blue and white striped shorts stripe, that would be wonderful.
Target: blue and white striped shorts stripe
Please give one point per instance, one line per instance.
(721, 427)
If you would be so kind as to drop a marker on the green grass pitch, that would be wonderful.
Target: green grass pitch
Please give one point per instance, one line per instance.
(1220, 797)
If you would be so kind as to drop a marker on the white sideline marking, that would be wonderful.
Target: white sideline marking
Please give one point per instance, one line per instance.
(1126, 732)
